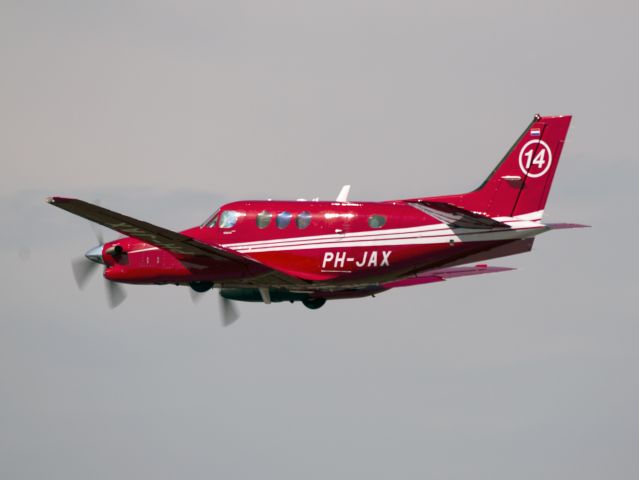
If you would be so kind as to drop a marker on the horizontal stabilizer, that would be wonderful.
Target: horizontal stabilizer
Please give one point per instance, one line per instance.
(455, 216)
(561, 226)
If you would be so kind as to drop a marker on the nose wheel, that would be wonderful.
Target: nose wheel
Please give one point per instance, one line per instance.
(314, 303)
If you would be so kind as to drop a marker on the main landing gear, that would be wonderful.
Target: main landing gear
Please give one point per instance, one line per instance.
(201, 287)
(241, 294)
(313, 303)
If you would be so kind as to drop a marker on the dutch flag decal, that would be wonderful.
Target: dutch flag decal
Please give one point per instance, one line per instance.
(535, 132)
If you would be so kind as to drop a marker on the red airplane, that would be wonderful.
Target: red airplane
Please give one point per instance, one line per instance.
(313, 251)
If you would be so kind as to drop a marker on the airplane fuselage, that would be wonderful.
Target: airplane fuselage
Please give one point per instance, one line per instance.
(321, 242)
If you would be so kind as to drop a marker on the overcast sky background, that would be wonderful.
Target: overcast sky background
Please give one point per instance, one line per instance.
(164, 110)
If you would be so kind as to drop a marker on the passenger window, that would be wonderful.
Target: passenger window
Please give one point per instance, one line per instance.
(376, 221)
(263, 219)
(228, 218)
(283, 219)
(303, 220)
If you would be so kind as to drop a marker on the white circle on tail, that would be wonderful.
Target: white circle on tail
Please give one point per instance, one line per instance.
(535, 158)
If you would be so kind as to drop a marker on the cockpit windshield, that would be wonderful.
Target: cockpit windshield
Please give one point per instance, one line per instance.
(212, 220)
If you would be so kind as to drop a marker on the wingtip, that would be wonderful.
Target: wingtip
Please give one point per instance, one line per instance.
(561, 226)
(54, 199)
(538, 116)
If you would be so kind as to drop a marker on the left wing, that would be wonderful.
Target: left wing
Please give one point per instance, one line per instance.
(439, 275)
(174, 242)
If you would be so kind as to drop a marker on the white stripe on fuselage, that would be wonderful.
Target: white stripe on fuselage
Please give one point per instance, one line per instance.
(426, 234)
(372, 234)
(442, 237)
(522, 227)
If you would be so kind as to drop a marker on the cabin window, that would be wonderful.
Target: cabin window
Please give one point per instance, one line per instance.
(212, 220)
(229, 218)
(283, 219)
(263, 219)
(376, 221)
(303, 220)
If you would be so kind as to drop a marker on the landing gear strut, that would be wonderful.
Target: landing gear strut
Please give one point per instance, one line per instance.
(314, 303)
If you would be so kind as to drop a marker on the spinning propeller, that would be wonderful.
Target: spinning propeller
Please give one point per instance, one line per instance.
(228, 310)
(84, 267)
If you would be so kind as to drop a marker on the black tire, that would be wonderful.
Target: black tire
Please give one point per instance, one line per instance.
(314, 303)
(201, 287)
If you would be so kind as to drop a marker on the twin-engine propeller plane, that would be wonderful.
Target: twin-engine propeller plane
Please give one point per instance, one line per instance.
(314, 251)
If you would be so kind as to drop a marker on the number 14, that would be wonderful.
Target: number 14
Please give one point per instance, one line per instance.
(539, 159)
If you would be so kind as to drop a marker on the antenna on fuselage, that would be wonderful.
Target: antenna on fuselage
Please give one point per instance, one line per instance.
(343, 194)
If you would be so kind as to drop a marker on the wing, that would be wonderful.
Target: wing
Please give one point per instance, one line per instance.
(439, 275)
(182, 246)
(456, 216)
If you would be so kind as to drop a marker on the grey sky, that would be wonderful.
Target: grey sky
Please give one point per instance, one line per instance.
(164, 110)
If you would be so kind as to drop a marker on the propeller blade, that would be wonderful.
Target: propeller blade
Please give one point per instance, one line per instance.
(97, 231)
(195, 296)
(82, 270)
(228, 311)
(115, 293)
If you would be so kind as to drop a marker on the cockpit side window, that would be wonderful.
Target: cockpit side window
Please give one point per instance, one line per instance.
(229, 218)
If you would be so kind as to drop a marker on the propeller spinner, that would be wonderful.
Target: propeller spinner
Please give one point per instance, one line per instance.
(84, 267)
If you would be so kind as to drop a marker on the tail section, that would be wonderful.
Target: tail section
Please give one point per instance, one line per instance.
(521, 181)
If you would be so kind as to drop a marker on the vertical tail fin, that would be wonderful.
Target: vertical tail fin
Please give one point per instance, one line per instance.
(521, 181)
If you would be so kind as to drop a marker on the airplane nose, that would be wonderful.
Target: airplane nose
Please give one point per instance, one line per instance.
(95, 254)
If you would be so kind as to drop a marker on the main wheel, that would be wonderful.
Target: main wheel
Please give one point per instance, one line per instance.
(314, 303)
(201, 287)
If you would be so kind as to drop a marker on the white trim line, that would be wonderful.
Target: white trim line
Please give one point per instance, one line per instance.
(415, 240)
(523, 223)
